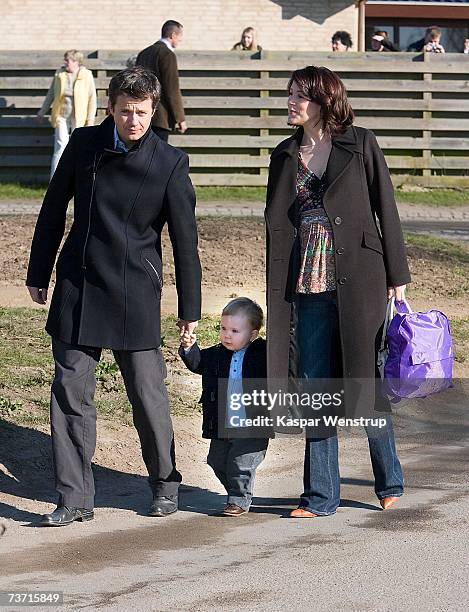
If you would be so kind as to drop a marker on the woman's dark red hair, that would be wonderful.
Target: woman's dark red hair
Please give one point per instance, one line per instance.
(324, 87)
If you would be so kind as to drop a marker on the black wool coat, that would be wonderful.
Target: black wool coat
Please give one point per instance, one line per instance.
(109, 271)
(369, 250)
(213, 364)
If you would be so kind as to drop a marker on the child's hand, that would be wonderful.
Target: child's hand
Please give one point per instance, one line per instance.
(188, 340)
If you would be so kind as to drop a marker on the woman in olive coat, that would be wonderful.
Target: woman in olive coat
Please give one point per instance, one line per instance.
(335, 252)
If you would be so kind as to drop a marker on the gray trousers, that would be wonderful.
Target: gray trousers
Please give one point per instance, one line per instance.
(234, 462)
(73, 419)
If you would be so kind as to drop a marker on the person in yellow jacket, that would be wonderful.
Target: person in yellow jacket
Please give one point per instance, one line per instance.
(72, 95)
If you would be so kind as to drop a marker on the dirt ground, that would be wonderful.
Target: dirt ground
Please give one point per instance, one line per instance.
(219, 242)
(229, 269)
(233, 263)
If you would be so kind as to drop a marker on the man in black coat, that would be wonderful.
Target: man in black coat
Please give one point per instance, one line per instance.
(161, 59)
(126, 184)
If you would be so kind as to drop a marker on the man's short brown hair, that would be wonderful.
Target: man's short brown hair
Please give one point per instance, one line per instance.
(138, 83)
(169, 27)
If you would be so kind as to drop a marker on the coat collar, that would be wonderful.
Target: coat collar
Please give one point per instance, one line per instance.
(103, 138)
(291, 146)
(344, 146)
(256, 345)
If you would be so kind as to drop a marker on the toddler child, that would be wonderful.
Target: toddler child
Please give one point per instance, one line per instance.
(239, 358)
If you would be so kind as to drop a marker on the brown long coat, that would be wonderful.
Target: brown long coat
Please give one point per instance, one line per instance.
(369, 249)
(162, 61)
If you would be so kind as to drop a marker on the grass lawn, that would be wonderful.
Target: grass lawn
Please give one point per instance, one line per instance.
(26, 369)
(18, 191)
(460, 334)
(430, 197)
(434, 197)
(447, 249)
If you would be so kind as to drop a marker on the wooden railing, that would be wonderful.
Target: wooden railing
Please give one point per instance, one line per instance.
(418, 106)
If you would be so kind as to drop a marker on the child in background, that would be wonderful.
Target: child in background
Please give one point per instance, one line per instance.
(239, 358)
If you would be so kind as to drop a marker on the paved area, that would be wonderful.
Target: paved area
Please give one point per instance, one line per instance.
(412, 557)
(442, 228)
(415, 212)
(444, 222)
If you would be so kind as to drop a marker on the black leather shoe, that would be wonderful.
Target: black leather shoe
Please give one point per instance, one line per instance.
(63, 515)
(162, 506)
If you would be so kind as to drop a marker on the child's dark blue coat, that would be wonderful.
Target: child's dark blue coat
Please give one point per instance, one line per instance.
(213, 364)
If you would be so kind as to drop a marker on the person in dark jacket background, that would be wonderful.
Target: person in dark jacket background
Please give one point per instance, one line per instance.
(380, 41)
(235, 366)
(126, 184)
(161, 59)
(335, 252)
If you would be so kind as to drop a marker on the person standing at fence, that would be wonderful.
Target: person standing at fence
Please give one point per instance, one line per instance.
(248, 41)
(161, 59)
(330, 271)
(341, 41)
(72, 95)
(126, 184)
(381, 42)
(429, 43)
(433, 44)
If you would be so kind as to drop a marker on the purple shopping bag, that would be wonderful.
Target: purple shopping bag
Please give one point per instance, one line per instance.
(420, 353)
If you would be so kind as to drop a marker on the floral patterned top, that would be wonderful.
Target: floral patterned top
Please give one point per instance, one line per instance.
(317, 263)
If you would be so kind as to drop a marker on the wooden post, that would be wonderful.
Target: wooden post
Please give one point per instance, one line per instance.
(427, 114)
(361, 25)
(100, 75)
(264, 112)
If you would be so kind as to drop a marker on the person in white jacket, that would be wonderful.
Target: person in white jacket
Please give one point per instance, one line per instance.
(72, 95)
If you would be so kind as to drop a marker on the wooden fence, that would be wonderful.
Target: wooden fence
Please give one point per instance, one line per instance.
(417, 105)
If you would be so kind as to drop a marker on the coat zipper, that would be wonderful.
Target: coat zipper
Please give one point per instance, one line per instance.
(95, 165)
(156, 272)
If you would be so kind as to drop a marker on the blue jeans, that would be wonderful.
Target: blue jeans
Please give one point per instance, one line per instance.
(320, 357)
(234, 462)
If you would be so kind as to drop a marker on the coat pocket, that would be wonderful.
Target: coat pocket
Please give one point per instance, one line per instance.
(372, 241)
(154, 270)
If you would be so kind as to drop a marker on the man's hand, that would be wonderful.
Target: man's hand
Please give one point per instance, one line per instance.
(397, 292)
(38, 295)
(181, 127)
(186, 327)
(39, 119)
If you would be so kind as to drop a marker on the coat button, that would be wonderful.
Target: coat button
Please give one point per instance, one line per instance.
(342, 280)
(340, 251)
(338, 220)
